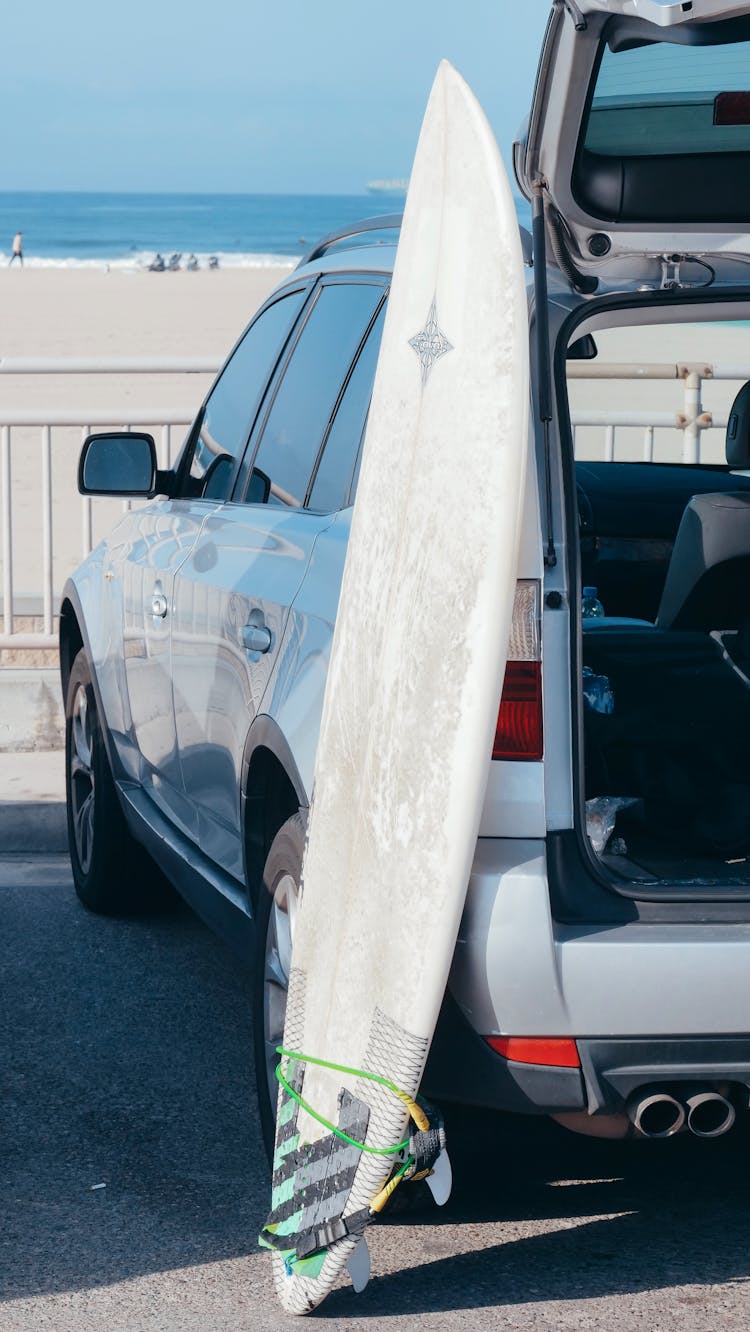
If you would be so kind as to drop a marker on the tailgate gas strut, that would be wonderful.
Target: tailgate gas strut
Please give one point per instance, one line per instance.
(541, 329)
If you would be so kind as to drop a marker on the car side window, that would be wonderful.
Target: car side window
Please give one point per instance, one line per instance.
(333, 478)
(221, 433)
(309, 390)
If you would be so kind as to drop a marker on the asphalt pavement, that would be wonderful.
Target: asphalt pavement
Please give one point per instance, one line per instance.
(133, 1182)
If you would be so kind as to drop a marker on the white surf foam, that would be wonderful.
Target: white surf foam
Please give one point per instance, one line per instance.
(141, 259)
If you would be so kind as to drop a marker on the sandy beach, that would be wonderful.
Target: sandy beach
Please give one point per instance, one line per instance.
(89, 312)
(81, 313)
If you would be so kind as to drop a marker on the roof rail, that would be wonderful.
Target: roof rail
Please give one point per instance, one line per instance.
(385, 222)
(389, 222)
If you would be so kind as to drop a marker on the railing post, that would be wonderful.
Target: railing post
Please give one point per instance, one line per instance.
(7, 534)
(648, 444)
(46, 421)
(691, 430)
(609, 447)
(47, 526)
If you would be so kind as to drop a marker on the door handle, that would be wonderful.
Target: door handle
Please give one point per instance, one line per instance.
(256, 637)
(159, 605)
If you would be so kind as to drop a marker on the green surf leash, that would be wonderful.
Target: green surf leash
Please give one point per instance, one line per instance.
(416, 1112)
(305, 1257)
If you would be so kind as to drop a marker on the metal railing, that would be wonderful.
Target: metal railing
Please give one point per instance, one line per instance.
(690, 421)
(160, 420)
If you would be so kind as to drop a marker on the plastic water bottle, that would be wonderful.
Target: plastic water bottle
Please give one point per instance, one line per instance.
(591, 606)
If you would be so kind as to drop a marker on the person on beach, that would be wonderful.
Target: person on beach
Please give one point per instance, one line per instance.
(17, 249)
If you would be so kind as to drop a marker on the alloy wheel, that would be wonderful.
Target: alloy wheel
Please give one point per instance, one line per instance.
(277, 964)
(82, 782)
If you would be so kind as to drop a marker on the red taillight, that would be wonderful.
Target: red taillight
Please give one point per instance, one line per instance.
(518, 734)
(519, 722)
(556, 1051)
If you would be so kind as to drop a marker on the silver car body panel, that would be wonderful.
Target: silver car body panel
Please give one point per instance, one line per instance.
(295, 695)
(159, 540)
(244, 570)
(516, 971)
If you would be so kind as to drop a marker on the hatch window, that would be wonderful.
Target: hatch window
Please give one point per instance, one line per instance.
(666, 137)
(661, 99)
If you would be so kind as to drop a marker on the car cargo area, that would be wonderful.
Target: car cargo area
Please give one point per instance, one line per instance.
(662, 462)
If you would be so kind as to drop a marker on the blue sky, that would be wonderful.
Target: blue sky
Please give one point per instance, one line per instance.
(244, 97)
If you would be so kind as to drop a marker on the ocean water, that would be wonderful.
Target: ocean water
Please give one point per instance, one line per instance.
(72, 230)
(126, 230)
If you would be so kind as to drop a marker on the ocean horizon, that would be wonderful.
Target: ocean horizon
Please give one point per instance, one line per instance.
(82, 229)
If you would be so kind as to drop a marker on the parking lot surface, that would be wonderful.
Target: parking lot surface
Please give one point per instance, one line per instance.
(126, 1064)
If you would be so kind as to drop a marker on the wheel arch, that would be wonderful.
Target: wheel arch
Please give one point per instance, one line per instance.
(71, 640)
(272, 791)
(74, 636)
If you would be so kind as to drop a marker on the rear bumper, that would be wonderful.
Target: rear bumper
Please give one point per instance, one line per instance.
(463, 1068)
(646, 1001)
(518, 971)
(614, 1069)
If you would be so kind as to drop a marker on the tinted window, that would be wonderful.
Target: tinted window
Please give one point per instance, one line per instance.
(310, 388)
(230, 410)
(335, 471)
(664, 99)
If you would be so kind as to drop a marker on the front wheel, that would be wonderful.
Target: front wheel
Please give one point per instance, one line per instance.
(277, 913)
(112, 873)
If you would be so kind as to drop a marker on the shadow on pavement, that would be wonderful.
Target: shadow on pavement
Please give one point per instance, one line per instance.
(683, 1218)
(126, 1061)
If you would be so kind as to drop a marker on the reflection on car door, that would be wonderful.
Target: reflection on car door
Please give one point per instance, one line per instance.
(233, 593)
(160, 537)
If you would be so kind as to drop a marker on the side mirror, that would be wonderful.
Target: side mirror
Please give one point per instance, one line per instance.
(118, 464)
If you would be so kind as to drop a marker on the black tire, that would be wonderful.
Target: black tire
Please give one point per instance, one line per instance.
(112, 874)
(276, 906)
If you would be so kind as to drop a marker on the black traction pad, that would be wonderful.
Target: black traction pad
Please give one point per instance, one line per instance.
(312, 1181)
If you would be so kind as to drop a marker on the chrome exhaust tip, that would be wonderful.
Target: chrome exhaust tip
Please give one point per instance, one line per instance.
(709, 1115)
(656, 1114)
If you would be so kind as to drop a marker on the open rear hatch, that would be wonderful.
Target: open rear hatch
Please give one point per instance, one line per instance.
(639, 141)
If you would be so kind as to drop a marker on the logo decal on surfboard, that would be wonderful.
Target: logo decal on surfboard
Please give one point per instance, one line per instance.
(430, 343)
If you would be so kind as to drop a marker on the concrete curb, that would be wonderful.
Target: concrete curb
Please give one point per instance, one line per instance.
(32, 802)
(32, 826)
(31, 710)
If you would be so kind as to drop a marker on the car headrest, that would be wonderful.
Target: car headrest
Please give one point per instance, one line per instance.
(709, 570)
(738, 431)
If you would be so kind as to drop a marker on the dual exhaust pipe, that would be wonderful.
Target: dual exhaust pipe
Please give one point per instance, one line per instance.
(660, 1114)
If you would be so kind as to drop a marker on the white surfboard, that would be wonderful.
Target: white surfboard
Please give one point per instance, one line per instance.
(413, 689)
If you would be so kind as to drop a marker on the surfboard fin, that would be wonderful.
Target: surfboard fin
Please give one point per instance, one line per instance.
(440, 1181)
(359, 1265)
(429, 1154)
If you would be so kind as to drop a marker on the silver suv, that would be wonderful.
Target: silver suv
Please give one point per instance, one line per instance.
(602, 971)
